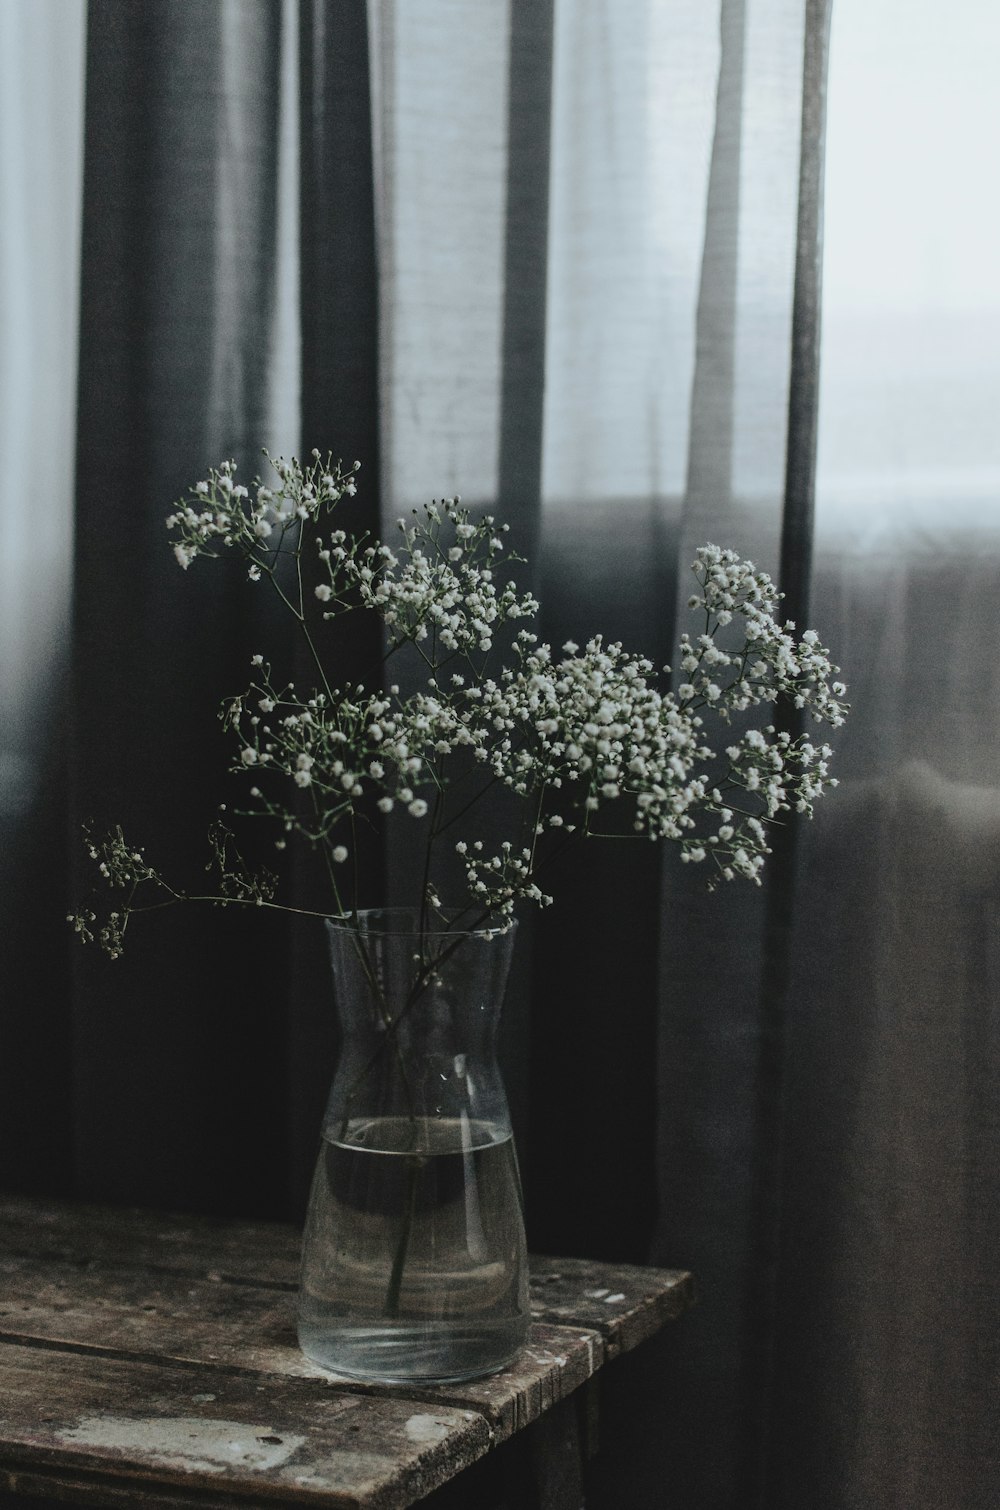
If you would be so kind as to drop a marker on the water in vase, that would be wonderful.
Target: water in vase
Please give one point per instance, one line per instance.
(414, 1262)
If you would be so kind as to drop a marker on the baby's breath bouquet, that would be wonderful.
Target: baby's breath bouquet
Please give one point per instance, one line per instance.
(581, 743)
(492, 753)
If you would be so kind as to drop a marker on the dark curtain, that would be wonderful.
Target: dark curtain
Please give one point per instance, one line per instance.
(176, 296)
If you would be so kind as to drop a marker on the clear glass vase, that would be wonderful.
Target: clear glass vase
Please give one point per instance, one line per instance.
(414, 1261)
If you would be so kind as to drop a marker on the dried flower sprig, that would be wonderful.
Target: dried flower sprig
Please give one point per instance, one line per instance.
(584, 743)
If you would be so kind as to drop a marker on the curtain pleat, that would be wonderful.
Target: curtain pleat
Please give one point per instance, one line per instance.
(41, 109)
(782, 886)
(338, 260)
(176, 303)
(709, 483)
(522, 373)
(723, 961)
(339, 380)
(520, 437)
(589, 1169)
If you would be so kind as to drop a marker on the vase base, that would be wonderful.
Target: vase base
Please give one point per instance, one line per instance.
(443, 1354)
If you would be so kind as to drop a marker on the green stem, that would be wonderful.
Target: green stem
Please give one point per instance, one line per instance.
(435, 814)
(414, 1165)
(299, 613)
(217, 899)
(476, 797)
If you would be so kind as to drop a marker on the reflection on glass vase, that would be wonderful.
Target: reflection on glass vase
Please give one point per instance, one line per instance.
(414, 1262)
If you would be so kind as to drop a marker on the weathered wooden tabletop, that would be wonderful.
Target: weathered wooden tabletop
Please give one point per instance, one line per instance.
(150, 1357)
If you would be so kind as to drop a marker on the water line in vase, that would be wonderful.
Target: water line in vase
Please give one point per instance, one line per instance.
(415, 1161)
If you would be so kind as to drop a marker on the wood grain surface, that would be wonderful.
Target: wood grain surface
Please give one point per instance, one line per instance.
(155, 1355)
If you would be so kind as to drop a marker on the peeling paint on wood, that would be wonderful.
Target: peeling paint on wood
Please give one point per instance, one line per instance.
(625, 1303)
(425, 1429)
(118, 1420)
(190, 1443)
(154, 1357)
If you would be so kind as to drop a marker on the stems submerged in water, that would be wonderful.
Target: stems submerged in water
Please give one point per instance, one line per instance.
(417, 1091)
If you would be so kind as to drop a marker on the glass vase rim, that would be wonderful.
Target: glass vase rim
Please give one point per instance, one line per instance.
(366, 916)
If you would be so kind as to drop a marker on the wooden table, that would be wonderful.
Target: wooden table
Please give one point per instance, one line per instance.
(150, 1359)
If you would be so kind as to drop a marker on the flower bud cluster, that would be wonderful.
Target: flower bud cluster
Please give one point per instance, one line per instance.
(498, 882)
(221, 512)
(592, 726)
(437, 586)
(124, 868)
(586, 739)
(766, 661)
(586, 742)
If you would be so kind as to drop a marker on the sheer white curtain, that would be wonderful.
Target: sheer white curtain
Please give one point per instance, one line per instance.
(41, 169)
(660, 389)
(890, 1267)
(885, 1357)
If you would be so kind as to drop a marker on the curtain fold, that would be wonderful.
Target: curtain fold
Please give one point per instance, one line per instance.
(772, 1128)
(177, 291)
(892, 1057)
(41, 110)
(525, 276)
(339, 385)
(723, 958)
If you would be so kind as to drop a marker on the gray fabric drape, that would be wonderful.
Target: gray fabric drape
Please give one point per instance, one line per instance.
(176, 300)
(40, 153)
(339, 381)
(764, 1300)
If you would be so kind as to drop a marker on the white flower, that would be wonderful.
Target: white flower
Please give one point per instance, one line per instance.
(577, 730)
(339, 854)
